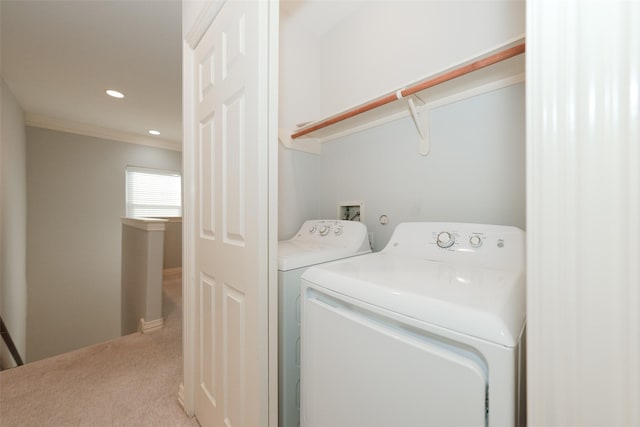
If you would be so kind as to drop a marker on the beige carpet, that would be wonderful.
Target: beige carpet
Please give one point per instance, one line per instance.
(128, 381)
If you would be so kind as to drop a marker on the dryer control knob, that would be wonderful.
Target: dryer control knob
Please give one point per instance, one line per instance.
(337, 231)
(324, 230)
(475, 241)
(312, 229)
(445, 239)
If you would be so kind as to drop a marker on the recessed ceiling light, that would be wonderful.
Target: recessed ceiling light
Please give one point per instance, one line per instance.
(154, 132)
(115, 93)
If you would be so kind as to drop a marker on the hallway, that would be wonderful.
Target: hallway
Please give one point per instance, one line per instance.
(128, 381)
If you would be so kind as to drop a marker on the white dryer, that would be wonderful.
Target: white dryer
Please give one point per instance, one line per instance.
(427, 332)
(317, 241)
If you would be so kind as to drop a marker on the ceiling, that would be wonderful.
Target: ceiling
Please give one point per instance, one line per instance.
(59, 57)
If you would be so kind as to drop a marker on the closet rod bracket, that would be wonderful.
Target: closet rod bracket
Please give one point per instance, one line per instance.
(308, 145)
(421, 120)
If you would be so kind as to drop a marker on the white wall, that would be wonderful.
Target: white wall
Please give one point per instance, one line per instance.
(13, 218)
(474, 173)
(76, 196)
(300, 74)
(378, 49)
(299, 94)
(388, 44)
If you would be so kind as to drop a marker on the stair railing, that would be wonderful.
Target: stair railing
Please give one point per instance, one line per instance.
(6, 336)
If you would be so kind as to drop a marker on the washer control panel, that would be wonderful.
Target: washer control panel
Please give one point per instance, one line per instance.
(322, 240)
(332, 232)
(323, 228)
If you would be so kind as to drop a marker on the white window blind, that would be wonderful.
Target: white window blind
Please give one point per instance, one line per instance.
(153, 193)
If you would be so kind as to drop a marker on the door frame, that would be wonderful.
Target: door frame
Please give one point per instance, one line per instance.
(186, 394)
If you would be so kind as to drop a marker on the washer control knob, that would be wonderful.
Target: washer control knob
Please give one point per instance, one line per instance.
(313, 229)
(337, 231)
(324, 230)
(475, 241)
(445, 239)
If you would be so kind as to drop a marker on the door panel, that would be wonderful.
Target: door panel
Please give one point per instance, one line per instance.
(360, 369)
(233, 147)
(206, 156)
(234, 355)
(231, 247)
(207, 298)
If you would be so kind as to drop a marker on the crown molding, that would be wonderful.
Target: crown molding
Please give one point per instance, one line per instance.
(46, 122)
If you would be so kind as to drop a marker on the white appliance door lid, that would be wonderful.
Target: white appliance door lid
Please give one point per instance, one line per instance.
(484, 303)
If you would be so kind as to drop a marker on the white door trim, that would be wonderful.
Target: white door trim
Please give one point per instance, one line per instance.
(274, 70)
(188, 251)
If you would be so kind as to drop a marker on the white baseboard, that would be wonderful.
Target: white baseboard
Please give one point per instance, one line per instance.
(181, 396)
(150, 326)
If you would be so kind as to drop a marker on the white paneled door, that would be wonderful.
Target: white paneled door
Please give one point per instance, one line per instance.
(230, 155)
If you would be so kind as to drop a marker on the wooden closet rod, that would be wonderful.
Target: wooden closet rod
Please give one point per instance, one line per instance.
(386, 99)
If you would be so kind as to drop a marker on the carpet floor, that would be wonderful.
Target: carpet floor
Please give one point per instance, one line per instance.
(129, 381)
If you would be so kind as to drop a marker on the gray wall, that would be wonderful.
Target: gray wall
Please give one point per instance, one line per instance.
(13, 223)
(298, 175)
(76, 196)
(172, 249)
(141, 276)
(474, 173)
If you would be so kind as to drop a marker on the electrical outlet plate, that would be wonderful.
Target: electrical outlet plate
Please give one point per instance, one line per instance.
(351, 211)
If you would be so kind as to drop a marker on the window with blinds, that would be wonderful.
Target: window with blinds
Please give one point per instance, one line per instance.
(153, 193)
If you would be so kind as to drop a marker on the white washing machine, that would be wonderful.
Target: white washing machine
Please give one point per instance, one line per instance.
(316, 242)
(427, 332)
